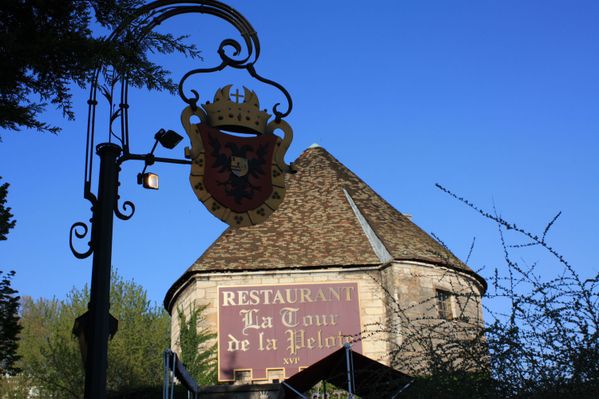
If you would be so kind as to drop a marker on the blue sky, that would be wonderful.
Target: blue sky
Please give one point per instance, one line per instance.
(496, 100)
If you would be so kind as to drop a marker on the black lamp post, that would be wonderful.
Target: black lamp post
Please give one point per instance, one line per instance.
(96, 326)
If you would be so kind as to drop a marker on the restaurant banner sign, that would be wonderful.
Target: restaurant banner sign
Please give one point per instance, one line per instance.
(284, 327)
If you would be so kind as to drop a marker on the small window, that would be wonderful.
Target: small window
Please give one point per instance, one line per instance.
(444, 304)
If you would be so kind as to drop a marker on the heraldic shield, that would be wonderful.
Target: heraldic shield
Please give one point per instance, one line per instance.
(241, 180)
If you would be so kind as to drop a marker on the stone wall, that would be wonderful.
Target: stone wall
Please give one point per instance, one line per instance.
(412, 285)
(414, 322)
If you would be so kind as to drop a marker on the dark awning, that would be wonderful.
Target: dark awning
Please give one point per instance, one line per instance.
(371, 379)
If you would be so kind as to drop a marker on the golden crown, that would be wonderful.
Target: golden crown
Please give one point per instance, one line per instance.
(239, 117)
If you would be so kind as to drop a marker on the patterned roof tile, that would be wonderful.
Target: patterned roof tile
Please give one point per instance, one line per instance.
(315, 226)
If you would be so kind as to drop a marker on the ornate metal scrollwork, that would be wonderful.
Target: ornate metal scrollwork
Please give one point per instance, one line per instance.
(128, 210)
(278, 115)
(80, 235)
(251, 43)
(252, 52)
(128, 206)
(242, 53)
(237, 54)
(193, 102)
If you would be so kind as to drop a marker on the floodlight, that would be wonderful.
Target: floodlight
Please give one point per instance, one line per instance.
(148, 180)
(168, 138)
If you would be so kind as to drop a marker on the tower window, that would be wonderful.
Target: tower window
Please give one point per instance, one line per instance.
(444, 304)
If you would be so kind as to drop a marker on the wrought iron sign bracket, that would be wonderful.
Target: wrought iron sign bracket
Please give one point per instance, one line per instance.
(232, 54)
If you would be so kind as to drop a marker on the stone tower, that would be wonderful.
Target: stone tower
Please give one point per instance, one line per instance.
(281, 294)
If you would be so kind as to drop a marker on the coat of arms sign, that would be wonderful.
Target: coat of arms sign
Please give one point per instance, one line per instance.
(240, 179)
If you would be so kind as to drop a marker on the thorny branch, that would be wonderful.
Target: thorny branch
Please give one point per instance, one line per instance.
(540, 337)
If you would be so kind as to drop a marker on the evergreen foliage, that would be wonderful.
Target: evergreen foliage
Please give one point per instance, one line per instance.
(9, 300)
(49, 45)
(9, 325)
(6, 221)
(198, 354)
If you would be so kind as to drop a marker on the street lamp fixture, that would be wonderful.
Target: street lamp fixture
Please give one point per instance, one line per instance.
(148, 180)
(168, 139)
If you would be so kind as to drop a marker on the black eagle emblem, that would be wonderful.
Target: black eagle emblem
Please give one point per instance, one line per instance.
(239, 186)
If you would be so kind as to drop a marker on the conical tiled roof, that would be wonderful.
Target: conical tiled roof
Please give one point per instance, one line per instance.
(329, 217)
